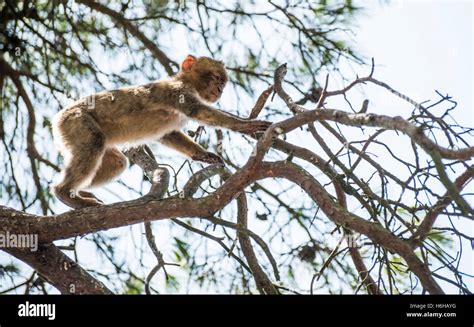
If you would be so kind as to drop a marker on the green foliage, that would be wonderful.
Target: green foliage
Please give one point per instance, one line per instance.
(442, 240)
(172, 284)
(9, 270)
(133, 286)
(181, 254)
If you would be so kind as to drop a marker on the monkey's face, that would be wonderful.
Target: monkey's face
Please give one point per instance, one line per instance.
(212, 86)
(207, 76)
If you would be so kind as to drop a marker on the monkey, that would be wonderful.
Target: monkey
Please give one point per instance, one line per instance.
(88, 131)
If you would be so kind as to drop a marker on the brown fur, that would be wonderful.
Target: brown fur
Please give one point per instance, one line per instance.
(86, 134)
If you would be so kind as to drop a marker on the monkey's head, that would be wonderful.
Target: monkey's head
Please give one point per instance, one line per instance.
(207, 76)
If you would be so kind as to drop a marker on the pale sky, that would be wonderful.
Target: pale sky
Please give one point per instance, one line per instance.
(420, 46)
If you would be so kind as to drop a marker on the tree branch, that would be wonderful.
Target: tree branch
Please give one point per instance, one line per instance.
(59, 270)
(167, 63)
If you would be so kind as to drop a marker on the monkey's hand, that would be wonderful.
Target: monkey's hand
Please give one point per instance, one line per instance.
(208, 157)
(253, 126)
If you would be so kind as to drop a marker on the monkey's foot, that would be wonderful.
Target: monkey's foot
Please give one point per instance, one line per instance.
(78, 202)
(85, 194)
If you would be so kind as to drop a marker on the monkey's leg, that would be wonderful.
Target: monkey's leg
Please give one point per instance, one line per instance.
(85, 144)
(180, 142)
(112, 165)
(75, 174)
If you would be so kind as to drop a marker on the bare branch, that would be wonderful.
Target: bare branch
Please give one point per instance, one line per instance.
(167, 63)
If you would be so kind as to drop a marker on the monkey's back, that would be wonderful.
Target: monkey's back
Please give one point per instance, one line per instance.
(134, 113)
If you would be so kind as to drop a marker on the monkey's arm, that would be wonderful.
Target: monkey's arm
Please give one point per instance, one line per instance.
(180, 142)
(214, 117)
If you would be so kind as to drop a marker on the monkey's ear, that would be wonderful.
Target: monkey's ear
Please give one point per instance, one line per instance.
(188, 62)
